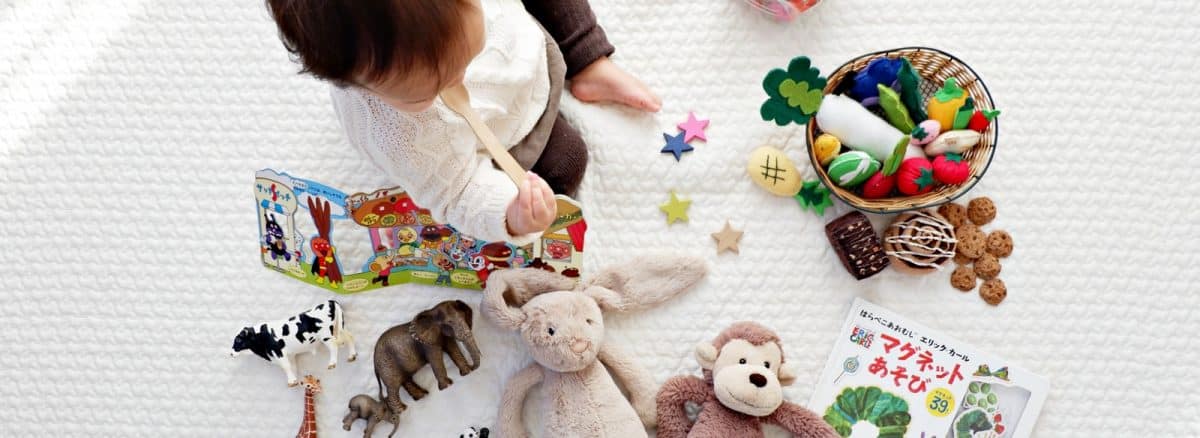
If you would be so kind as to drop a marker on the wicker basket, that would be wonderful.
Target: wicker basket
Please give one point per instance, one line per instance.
(934, 66)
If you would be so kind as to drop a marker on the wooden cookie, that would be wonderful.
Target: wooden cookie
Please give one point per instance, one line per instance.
(963, 278)
(999, 243)
(954, 213)
(971, 241)
(993, 291)
(981, 210)
(987, 267)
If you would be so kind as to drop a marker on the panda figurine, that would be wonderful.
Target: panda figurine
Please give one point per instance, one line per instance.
(472, 432)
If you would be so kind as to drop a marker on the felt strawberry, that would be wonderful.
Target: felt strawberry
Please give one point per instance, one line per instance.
(915, 176)
(950, 169)
(878, 186)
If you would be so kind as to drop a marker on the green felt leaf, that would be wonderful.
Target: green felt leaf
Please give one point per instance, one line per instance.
(950, 91)
(919, 133)
(953, 157)
(892, 164)
(895, 111)
(793, 95)
(815, 196)
(910, 90)
(925, 180)
(990, 114)
(800, 96)
(963, 117)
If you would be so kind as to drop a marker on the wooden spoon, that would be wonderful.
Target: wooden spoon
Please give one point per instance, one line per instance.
(457, 99)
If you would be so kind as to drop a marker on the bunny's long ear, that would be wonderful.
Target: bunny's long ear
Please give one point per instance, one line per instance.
(645, 282)
(510, 289)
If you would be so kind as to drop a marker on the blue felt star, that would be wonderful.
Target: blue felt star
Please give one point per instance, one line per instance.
(675, 145)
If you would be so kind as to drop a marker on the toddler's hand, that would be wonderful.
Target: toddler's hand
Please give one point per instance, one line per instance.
(534, 209)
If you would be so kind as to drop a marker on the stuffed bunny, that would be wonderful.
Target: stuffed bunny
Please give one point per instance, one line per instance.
(560, 322)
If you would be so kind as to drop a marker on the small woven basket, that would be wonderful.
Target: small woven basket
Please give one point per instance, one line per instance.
(934, 66)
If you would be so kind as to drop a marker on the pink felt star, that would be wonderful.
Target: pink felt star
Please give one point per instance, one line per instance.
(693, 128)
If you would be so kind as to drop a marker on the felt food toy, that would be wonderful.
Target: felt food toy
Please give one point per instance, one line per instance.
(915, 176)
(772, 170)
(910, 90)
(926, 132)
(981, 120)
(950, 169)
(894, 109)
(879, 72)
(861, 130)
(742, 389)
(561, 323)
(919, 242)
(878, 186)
(857, 245)
(964, 114)
(852, 168)
(944, 104)
(955, 142)
(827, 147)
(793, 95)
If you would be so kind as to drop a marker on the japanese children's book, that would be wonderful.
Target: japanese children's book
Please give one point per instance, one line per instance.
(890, 377)
(365, 241)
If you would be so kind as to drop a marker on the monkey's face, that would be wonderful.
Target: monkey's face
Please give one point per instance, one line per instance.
(746, 377)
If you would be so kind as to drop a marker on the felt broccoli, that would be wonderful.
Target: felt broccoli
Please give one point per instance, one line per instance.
(793, 94)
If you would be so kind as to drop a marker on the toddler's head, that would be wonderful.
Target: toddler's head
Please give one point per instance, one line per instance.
(404, 51)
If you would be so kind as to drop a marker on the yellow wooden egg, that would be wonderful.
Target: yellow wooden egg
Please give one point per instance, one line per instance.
(772, 170)
(827, 148)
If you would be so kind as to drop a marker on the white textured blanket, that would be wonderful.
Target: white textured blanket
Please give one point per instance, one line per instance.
(130, 131)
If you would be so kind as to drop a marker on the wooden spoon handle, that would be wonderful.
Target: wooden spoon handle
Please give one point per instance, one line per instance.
(458, 100)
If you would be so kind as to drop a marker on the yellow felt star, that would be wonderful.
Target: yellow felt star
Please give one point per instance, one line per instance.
(727, 239)
(675, 209)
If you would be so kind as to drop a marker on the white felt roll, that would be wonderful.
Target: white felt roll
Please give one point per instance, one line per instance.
(859, 129)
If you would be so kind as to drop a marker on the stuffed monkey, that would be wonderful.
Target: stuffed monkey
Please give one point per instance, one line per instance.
(742, 388)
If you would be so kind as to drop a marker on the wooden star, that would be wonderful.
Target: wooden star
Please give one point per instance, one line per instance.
(675, 209)
(727, 239)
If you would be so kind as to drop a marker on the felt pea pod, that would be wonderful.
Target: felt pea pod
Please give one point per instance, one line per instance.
(910, 90)
(963, 117)
(861, 130)
(944, 104)
(895, 110)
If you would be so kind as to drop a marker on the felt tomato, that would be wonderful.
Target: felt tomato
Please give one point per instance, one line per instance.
(878, 186)
(915, 176)
(950, 169)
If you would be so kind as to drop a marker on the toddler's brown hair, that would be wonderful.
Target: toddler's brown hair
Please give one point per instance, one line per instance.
(355, 41)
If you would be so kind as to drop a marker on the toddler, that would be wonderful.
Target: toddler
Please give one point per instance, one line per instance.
(388, 60)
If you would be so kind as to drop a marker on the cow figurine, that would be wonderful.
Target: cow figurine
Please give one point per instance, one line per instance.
(280, 341)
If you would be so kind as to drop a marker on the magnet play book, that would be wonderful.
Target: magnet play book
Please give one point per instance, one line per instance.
(364, 241)
(890, 377)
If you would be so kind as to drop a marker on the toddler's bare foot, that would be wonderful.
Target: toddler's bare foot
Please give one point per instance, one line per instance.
(603, 81)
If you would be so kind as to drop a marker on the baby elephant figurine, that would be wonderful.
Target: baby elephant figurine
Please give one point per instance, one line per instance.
(562, 324)
(403, 350)
(364, 407)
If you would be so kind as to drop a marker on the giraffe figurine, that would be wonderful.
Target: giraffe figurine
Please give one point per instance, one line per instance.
(308, 428)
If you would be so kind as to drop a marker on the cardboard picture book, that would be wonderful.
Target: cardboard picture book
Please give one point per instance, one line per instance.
(351, 243)
(890, 377)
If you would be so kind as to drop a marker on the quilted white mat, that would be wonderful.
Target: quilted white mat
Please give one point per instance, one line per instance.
(130, 131)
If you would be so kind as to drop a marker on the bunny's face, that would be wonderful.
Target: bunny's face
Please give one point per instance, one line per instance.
(563, 330)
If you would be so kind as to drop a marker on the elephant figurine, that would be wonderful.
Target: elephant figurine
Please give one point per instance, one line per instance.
(362, 406)
(403, 350)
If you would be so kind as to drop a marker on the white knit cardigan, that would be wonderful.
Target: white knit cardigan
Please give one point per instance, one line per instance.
(434, 155)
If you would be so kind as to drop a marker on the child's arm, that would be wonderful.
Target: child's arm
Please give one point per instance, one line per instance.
(456, 183)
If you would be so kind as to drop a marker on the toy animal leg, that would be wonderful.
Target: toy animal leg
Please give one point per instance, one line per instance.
(395, 426)
(438, 363)
(413, 389)
(289, 367)
(332, 345)
(456, 356)
(372, 421)
(345, 338)
(349, 419)
(392, 384)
